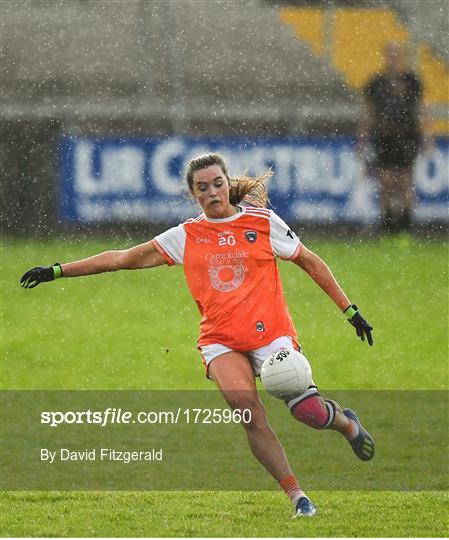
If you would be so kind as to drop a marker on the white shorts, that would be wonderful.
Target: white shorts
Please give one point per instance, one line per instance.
(256, 357)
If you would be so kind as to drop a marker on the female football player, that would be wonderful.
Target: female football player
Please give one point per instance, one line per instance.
(229, 255)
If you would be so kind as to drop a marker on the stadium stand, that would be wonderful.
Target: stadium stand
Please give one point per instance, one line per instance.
(71, 50)
(353, 40)
(228, 60)
(221, 61)
(428, 21)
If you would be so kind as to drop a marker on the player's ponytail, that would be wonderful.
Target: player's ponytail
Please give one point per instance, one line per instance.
(251, 190)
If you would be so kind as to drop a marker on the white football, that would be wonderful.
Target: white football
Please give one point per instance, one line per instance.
(286, 374)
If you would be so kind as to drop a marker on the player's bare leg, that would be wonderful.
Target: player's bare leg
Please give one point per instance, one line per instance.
(233, 374)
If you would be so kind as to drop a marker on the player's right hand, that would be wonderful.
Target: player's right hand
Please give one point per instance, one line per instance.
(40, 274)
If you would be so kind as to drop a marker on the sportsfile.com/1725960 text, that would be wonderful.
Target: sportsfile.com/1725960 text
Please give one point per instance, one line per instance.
(113, 415)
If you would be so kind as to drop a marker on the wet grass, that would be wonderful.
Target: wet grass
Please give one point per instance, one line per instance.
(137, 330)
(222, 514)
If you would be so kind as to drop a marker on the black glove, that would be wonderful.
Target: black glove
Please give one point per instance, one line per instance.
(40, 274)
(361, 326)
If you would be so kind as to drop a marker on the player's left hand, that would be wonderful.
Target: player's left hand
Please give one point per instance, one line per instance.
(362, 327)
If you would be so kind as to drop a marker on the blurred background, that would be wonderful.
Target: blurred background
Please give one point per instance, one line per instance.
(103, 102)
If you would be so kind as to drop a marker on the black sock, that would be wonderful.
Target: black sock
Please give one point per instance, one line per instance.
(406, 221)
(396, 222)
(387, 221)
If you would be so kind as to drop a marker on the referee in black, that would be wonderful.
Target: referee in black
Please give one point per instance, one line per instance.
(395, 125)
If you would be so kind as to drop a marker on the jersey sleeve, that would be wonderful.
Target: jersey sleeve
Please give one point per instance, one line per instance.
(171, 244)
(284, 242)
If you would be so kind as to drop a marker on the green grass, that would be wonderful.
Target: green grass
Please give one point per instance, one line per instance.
(137, 330)
(341, 514)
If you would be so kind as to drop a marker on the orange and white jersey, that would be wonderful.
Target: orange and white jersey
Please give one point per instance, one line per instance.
(230, 268)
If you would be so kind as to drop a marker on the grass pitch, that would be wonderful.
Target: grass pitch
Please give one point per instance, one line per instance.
(137, 330)
(237, 514)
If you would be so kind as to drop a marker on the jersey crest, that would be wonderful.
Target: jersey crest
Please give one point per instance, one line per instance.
(226, 278)
(251, 236)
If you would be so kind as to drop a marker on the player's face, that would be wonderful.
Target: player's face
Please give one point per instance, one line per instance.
(211, 189)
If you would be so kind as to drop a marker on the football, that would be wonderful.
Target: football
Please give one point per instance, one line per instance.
(286, 374)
